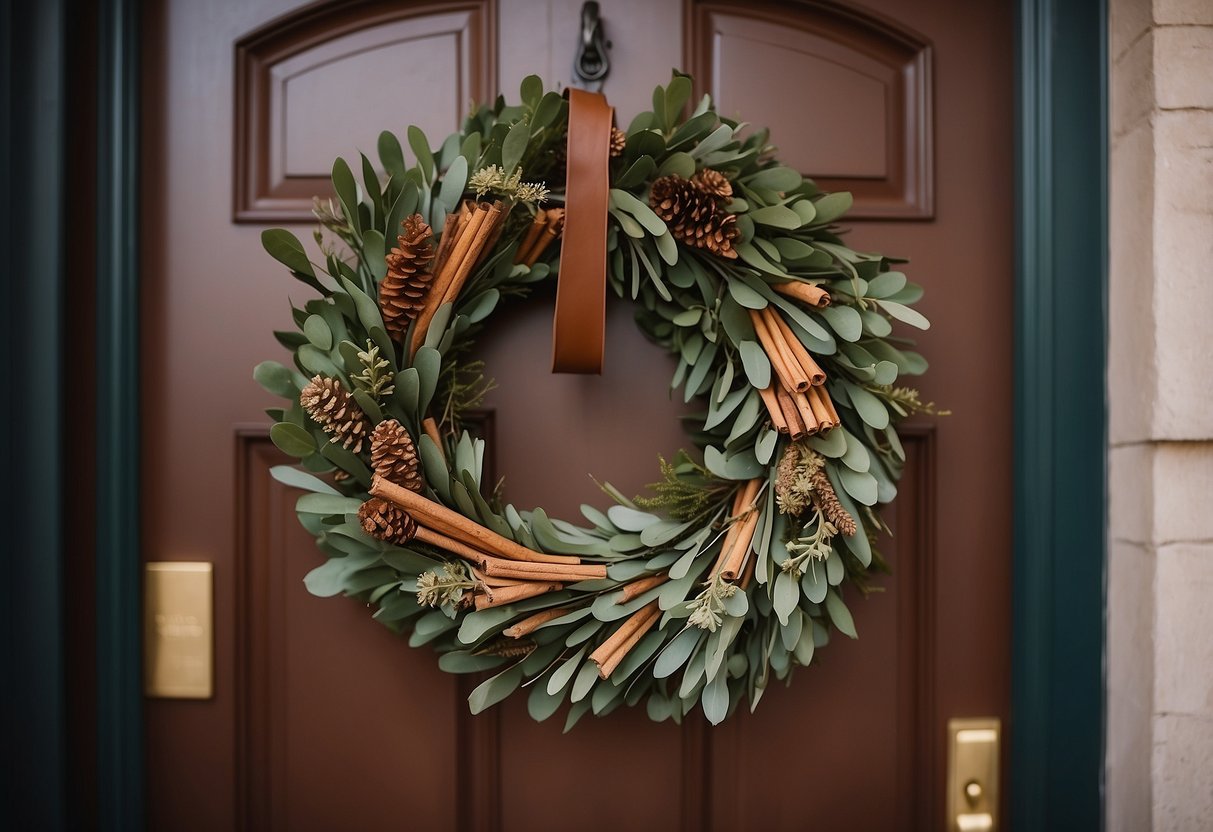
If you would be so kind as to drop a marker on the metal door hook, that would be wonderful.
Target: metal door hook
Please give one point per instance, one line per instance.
(591, 65)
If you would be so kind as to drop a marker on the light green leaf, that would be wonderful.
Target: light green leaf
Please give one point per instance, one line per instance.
(839, 614)
(292, 440)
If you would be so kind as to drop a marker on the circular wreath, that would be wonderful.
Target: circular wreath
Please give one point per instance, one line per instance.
(733, 567)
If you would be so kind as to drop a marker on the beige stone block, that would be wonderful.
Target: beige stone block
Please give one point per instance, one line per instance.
(1183, 648)
(1131, 375)
(1127, 19)
(1183, 66)
(1183, 773)
(1131, 97)
(1183, 11)
(1131, 493)
(1183, 293)
(1183, 485)
(1130, 690)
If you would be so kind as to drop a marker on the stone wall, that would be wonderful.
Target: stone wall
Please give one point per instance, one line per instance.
(1160, 389)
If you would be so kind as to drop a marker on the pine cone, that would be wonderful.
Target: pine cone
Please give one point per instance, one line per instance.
(827, 503)
(386, 521)
(714, 183)
(333, 408)
(403, 289)
(679, 203)
(393, 455)
(619, 140)
(693, 216)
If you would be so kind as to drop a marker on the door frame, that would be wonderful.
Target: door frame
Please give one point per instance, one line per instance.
(1057, 722)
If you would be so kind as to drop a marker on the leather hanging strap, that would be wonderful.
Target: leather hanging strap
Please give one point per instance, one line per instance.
(579, 329)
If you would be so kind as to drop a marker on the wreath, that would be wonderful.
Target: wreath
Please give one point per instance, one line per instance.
(734, 566)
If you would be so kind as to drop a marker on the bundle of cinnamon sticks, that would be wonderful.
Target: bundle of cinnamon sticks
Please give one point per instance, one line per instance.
(544, 230)
(806, 292)
(467, 237)
(507, 571)
(796, 399)
(735, 553)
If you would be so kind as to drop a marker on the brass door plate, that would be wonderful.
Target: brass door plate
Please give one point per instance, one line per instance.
(973, 785)
(178, 645)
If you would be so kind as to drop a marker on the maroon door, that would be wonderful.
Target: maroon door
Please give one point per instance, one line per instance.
(321, 718)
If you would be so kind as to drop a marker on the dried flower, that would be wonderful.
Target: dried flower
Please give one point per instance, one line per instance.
(376, 376)
(494, 178)
(708, 608)
(445, 590)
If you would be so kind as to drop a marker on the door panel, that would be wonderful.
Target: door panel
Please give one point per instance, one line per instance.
(324, 719)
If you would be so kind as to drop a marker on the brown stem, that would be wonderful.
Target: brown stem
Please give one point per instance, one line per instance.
(442, 519)
(612, 651)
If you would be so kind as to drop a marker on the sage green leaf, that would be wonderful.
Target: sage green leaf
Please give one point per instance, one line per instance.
(739, 466)
(643, 213)
(586, 676)
(541, 704)
(317, 362)
(905, 314)
(564, 672)
(421, 149)
(285, 247)
(745, 295)
(777, 178)
(779, 216)
(804, 647)
(677, 164)
(886, 284)
(318, 332)
(294, 478)
(832, 206)
(792, 249)
(717, 139)
(764, 450)
(347, 461)
(813, 582)
(856, 458)
(757, 365)
(391, 156)
(531, 91)
(276, 379)
(844, 320)
(840, 615)
(428, 363)
(407, 392)
(750, 254)
(789, 634)
(641, 171)
(292, 440)
(870, 408)
(327, 504)
(347, 191)
(328, 579)
(860, 485)
(677, 652)
(715, 698)
(453, 183)
(786, 597)
(433, 464)
(462, 661)
(631, 520)
(514, 146)
(491, 691)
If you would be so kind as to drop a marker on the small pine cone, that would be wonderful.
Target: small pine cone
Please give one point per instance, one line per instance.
(619, 140)
(718, 235)
(394, 456)
(827, 503)
(333, 408)
(679, 203)
(386, 521)
(403, 289)
(714, 183)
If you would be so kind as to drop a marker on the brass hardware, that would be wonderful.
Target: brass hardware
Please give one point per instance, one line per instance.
(177, 626)
(973, 785)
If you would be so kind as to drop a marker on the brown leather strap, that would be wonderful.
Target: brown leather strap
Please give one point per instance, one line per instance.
(579, 328)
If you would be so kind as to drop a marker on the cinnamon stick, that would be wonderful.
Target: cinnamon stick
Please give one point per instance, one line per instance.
(829, 403)
(542, 571)
(430, 427)
(532, 234)
(442, 519)
(772, 402)
(820, 412)
(445, 274)
(741, 500)
(510, 594)
(450, 232)
(485, 232)
(817, 376)
(796, 427)
(807, 292)
(532, 623)
(612, 651)
(780, 334)
(805, 408)
(785, 366)
(637, 588)
(741, 547)
(747, 575)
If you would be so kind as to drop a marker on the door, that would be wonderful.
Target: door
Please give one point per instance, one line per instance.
(323, 719)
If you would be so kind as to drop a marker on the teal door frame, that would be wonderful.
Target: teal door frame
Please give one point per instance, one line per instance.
(1056, 730)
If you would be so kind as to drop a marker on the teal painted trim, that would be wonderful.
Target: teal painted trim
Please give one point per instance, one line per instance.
(33, 67)
(1060, 416)
(119, 597)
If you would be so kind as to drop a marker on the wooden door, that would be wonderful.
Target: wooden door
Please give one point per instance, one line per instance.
(321, 718)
